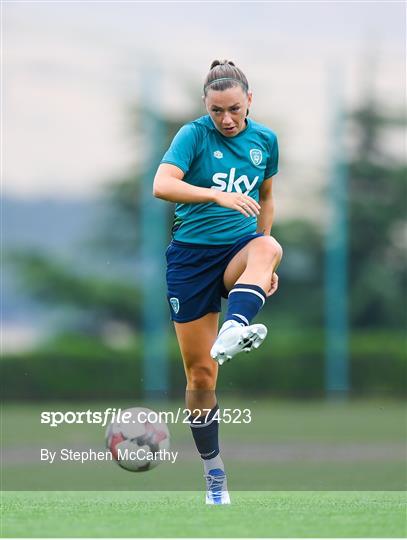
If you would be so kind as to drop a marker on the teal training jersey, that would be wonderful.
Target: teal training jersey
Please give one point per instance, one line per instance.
(233, 164)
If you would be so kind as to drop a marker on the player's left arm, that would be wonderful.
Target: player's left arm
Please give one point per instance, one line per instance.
(266, 216)
(265, 221)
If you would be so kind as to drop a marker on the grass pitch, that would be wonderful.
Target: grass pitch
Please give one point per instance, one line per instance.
(184, 514)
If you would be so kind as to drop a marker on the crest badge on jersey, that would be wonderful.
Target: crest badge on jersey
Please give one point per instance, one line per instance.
(174, 304)
(218, 154)
(256, 156)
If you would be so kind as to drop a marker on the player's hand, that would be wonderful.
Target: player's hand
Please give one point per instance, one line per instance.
(237, 201)
(273, 284)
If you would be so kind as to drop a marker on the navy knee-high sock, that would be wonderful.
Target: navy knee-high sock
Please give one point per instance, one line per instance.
(205, 431)
(244, 302)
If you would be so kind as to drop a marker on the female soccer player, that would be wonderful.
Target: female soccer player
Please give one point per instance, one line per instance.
(219, 170)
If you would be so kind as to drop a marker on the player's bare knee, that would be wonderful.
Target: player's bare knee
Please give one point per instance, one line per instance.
(201, 377)
(269, 250)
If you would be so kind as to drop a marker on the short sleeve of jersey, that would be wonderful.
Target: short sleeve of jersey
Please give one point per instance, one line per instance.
(183, 148)
(272, 162)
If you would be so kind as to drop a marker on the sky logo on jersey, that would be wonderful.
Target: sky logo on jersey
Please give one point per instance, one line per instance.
(256, 156)
(227, 182)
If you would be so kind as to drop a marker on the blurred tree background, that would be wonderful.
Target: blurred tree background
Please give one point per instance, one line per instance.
(97, 354)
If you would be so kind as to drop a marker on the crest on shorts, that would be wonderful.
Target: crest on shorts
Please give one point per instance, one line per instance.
(256, 156)
(174, 304)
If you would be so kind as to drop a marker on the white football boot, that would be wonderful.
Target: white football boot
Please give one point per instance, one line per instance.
(216, 487)
(234, 338)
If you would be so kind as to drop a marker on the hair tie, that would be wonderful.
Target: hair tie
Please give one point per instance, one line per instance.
(227, 79)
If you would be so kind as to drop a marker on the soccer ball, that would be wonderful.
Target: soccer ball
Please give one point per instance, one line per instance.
(138, 444)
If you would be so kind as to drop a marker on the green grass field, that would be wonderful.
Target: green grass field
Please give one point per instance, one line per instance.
(183, 514)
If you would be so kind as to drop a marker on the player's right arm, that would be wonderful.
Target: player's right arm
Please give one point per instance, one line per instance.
(169, 185)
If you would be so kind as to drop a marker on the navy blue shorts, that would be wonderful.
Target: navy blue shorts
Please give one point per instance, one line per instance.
(195, 277)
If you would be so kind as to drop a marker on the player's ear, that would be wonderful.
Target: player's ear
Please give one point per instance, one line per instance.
(249, 101)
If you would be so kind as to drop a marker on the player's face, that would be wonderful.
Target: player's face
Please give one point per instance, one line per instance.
(228, 109)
